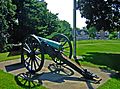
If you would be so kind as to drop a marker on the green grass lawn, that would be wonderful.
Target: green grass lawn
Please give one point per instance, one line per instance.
(103, 46)
(98, 53)
(7, 81)
(113, 83)
(5, 56)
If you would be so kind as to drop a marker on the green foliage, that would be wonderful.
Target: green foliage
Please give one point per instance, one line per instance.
(7, 12)
(30, 17)
(65, 28)
(33, 18)
(113, 35)
(100, 13)
(92, 32)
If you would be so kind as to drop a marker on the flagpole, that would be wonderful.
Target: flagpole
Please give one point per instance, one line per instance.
(74, 29)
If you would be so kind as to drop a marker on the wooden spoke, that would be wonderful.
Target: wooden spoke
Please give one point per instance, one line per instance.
(31, 64)
(64, 43)
(65, 51)
(27, 59)
(35, 65)
(37, 57)
(66, 48)
(26, 50)
(31, 49)
(36, 62)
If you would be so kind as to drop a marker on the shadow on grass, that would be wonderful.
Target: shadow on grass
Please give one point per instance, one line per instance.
(110, 60)
(115, 75)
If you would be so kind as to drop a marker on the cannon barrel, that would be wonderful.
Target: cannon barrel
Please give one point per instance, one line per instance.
(52, 43)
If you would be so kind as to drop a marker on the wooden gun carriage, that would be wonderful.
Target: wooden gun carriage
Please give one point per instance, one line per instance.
(59, 49)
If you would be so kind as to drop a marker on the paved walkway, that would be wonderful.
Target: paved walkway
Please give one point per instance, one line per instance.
(56, 81)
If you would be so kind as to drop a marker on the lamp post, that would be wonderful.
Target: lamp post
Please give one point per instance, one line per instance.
(74, 29)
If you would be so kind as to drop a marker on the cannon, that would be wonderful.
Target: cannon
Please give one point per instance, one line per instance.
(59, 49)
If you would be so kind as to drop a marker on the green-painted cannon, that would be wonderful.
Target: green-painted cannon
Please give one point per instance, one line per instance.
(59, 49)
(34, 48)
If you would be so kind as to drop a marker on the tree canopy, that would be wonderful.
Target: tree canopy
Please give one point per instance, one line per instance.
(65, 27)
(20, 18)
(101, 13)
(33, 18)
(7, 12)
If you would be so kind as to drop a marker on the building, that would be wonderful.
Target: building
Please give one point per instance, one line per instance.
(82, 34)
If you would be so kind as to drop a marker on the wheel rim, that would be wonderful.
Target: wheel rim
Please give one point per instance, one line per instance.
(33, 54)
(66, 48)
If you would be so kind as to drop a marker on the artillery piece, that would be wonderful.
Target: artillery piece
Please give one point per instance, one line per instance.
(59, 49)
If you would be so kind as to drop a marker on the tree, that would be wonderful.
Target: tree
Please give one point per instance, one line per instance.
(100, 13)
(33, 18)
(92, 32)
(65, 28)
(7, 12)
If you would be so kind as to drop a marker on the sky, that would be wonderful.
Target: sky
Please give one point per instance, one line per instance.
(64, 8)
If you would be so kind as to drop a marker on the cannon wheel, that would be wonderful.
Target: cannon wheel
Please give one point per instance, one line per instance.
(32, 54)
(66, 47)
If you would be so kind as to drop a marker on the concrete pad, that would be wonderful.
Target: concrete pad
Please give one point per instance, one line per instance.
(51, 80)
